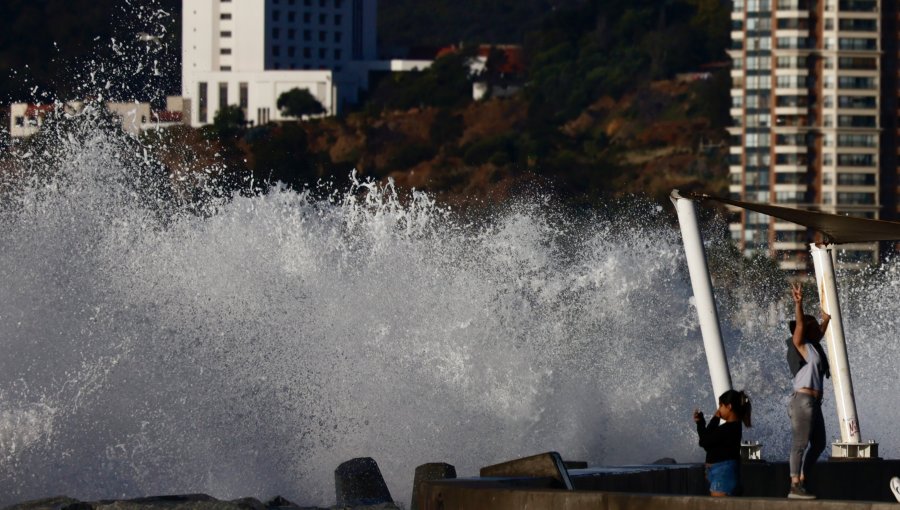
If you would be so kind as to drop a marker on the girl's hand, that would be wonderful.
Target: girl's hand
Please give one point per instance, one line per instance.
(797, 292)
(698, 416)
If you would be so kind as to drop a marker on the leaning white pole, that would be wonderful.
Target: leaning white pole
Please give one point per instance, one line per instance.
(837, 346)
(703, 294)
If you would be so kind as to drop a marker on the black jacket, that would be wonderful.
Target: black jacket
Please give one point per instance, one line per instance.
(721, 440)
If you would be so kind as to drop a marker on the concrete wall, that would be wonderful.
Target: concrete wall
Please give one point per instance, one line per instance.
(838, 484)
(469, 494)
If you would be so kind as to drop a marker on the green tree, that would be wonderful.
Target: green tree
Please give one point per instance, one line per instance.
(229, 121)
(445, 84)
(299, 102)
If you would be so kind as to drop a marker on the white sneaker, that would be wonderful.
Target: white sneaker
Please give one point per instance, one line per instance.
(895, 487)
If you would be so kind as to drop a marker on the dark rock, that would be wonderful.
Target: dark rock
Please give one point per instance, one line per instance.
(665, 460)
(358, 482)
(280, 502)
(52, 503)
(248, 504)
(81, 505)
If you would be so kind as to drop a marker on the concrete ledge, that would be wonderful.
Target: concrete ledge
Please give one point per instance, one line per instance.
(471, 494)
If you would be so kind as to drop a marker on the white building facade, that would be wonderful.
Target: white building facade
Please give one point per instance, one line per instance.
(249, 52)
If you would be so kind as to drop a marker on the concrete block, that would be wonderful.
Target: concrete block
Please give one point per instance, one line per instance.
(430, 471)
(358, 482)
(542, 465)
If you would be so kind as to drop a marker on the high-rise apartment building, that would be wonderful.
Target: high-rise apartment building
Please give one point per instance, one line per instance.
(814, 119)
(249, 52)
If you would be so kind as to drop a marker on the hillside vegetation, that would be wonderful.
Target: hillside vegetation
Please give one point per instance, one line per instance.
(600, 111)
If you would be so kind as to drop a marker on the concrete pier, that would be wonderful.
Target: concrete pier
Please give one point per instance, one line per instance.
(839, 485)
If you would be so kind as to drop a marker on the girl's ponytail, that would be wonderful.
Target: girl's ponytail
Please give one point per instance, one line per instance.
(745, 409)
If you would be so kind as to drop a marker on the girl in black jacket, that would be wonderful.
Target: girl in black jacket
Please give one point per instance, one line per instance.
(721, 438)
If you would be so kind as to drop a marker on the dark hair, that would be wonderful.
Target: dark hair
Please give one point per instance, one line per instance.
(740, 404)
(813, 334)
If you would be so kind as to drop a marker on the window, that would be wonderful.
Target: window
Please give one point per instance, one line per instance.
(856, 160)
(790, 236)
(307, 17)
(857, 256)
(224, 51)
(857, 63)
(855, 198)
(223, 95)
(201, 101)
(856, 82)
(859, 25)
(861, 102)
(847, 140)
(20, 120)
(262, 116)
(338, 19)
(307, 53)
(292, 16)
(847, 179)
(225, 33)
(790, 197)
(321, 52)
(337, 37)
(225, 68)
(307, 35)
(225, 15)
(276, 50)
(244, 96)
(323, 36)
(276, 15)
(337, 54)
(276, 33)
(852, 43)
(856, 121)
(323, 18)
(292, 34)
(789, 178)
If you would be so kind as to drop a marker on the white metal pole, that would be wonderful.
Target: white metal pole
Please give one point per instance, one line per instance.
(837, 346)
(703, 294)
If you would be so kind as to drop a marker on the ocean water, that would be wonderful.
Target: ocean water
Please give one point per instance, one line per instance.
(247, 345)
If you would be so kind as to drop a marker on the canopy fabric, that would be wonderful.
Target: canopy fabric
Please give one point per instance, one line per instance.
(837, 229)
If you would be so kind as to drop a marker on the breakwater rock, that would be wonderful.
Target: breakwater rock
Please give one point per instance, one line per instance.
(181, 502)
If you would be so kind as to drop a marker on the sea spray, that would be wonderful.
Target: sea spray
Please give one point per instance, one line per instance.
(249, 349)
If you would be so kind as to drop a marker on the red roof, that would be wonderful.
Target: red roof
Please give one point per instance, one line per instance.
(167, 116)
(515, 60)
(33, 109)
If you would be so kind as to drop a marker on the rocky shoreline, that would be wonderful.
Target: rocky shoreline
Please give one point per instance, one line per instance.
(358, 485)
(181, 502)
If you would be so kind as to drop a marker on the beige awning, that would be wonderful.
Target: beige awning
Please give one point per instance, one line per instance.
(837, 229)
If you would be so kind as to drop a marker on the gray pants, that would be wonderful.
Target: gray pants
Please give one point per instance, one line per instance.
(808, 430)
